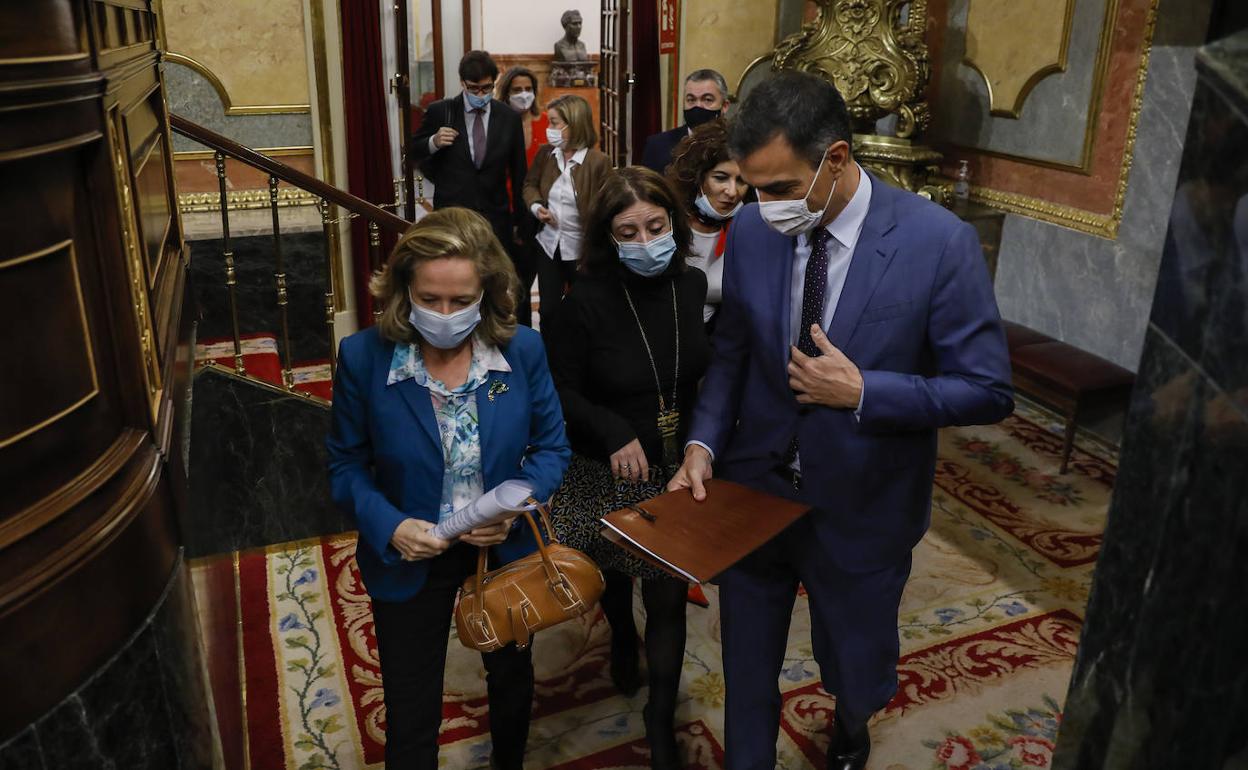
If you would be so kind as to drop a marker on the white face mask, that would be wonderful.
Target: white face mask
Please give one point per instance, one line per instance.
(794, 217)
(554, 137)
(522, 100)
(708, 209)
(444, 330)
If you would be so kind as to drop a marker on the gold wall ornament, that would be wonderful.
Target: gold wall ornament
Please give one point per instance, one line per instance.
(879, 63)
(902, 163)
(1014, 44)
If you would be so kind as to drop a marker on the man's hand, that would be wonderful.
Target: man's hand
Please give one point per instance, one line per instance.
(830, 379)
(491, 535)
(693, 473)
(628, 463)
(413, 541)
(445, 137)
(545, 216)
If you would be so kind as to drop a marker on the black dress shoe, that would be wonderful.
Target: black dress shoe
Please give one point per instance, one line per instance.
(625, 664)
(664, 751)
(849, 749)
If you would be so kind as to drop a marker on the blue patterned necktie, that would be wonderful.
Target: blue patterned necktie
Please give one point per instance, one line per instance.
(814, 290)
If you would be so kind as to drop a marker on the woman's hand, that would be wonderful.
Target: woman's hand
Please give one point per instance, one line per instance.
(629, 463)
(492, 535)
(546, 217)
(413, 541)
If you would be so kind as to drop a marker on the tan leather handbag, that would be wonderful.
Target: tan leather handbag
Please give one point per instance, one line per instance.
(519, 599)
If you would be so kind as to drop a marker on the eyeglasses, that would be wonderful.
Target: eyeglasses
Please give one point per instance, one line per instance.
(479, 90)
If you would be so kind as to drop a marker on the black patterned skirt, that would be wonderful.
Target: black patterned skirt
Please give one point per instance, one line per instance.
(588, 493)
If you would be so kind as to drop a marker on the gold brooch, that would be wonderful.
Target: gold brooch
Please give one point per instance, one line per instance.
(497, 388)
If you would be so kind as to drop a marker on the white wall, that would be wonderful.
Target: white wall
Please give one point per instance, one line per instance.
(532, 26)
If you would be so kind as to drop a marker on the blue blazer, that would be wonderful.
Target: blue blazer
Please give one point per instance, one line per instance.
(385, 454)
(917, 316)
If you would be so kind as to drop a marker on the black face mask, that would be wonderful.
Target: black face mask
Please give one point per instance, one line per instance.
(696, 116)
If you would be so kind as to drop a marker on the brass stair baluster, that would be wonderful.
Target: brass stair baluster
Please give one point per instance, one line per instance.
(328, 227)
(374, 256)
(231, 277)
(288, 377)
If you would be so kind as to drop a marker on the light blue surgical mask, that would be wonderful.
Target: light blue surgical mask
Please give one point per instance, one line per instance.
(708, 210)
(444, 330)
(477, 102)
(650, 258)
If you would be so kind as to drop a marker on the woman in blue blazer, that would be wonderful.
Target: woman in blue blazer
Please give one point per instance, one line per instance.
(444, 399)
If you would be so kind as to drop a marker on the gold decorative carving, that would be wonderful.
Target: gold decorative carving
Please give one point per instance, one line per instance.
(66, 245)
(134, 264)
(272, 152)
(901, 163)
(1014, 44)
(193, 203)
(879, 65)
(219, 87)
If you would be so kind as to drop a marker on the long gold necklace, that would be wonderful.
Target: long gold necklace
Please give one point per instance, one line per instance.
(669, 415)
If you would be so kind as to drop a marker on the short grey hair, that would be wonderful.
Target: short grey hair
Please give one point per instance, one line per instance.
(698, 76)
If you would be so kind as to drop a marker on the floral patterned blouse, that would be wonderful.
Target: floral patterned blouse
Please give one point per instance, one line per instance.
(456, 411)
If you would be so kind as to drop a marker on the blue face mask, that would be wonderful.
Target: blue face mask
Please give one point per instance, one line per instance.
(650, 258)
(444, 330)
(476, 102)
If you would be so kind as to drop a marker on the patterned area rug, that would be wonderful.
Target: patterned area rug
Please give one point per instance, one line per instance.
(989, 625)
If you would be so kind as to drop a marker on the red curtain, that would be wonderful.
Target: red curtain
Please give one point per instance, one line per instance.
(647, 95)
(368, 140)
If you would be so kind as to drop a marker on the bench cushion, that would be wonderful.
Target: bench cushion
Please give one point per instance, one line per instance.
(1017, 335)
(1068, 368)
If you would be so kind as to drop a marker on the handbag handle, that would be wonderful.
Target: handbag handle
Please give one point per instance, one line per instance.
(552, 572)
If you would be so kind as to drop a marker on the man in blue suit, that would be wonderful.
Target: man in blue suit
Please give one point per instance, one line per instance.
(857, 319)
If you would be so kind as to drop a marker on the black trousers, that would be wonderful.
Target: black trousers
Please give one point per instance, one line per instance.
(411, 642)
(553, 275)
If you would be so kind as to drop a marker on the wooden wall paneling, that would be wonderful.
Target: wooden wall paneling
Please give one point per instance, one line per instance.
(91, 278)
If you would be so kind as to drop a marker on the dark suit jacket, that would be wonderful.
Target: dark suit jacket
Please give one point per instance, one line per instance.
(457, 181)
(658, 151)
(587, 178)
(918, 318)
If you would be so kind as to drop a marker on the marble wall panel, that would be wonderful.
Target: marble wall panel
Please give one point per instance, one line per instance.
(258, 467)
(1054, 117)
(257, 50)
(190, 95)
(1089, 291)
(147, 707)
(1159, 680)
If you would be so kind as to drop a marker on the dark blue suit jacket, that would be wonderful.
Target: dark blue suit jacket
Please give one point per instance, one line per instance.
(917, 316)
(385, 454)
(658, 150)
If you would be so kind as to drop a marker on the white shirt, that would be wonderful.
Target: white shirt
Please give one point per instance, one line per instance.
(469, 117)
(565, 236)
(702, 256)
(844, 230)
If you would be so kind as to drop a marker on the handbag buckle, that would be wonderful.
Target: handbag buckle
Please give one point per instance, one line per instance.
(568, 599)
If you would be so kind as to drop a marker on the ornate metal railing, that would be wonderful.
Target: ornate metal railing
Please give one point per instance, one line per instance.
(329, 200)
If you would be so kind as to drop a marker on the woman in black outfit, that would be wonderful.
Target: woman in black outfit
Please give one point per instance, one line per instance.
(626, 357)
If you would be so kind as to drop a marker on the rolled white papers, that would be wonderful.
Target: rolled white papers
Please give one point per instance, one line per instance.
(493, 506)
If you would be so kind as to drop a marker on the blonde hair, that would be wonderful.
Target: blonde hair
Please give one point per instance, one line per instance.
(576, 113)
(456, 233)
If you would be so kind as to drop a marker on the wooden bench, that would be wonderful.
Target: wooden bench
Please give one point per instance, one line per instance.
(1064, 377)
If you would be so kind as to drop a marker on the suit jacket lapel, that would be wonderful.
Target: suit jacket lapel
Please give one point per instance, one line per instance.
(419, 401)
(487, 410)
(459, 121)
(785, 302)
(867, 266)
(494, 130)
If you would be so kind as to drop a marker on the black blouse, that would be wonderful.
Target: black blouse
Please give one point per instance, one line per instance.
(599, 362)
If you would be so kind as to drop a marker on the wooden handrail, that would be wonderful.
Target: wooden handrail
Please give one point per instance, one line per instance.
(293, 176)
